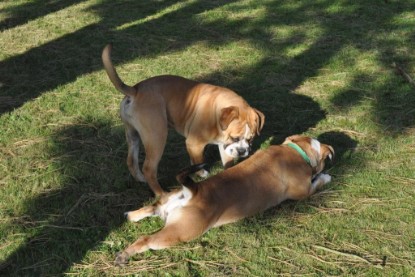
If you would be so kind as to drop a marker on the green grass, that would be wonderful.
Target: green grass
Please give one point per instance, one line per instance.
(323, 68)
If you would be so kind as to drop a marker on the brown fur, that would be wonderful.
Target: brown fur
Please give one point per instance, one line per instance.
(264, 180)
(203, 113)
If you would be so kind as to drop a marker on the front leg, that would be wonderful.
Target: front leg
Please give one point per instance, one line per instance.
(195, 150)
(319, 181)
(185, 224)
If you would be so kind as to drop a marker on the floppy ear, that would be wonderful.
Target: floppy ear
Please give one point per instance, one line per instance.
(327, 151)
(227, 115)
(261, 120)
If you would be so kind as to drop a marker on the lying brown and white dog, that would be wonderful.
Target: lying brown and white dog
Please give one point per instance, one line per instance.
(203, 113)
(288, 171)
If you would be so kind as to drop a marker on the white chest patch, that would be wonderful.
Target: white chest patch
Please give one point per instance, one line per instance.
(177, 200)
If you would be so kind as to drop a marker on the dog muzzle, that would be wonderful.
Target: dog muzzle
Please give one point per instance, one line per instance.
(238, 149)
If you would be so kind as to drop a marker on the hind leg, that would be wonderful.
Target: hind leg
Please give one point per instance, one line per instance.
(188, 224)
(164, 238)
(139, 214)
(153, 134)
(133, 141)
(195, 150)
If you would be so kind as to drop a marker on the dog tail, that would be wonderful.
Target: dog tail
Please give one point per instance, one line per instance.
(183, 176)
(112, 73)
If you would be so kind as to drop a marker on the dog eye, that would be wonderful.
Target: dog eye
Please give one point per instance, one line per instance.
(235, 139)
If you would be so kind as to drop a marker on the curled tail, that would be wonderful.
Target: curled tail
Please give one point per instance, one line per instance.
(112, 73)
(183, 176)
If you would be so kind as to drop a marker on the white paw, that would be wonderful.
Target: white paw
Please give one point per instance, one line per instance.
(128, 216)
(202, 173)
(325, 177)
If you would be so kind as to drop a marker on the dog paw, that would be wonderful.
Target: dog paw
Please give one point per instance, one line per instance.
(121, 259)
(325, 178)
(130, 217)
(202, 173)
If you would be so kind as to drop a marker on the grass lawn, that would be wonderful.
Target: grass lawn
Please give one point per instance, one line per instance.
(341, 71)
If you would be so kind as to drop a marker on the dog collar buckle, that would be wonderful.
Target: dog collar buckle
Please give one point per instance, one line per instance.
(300, 151)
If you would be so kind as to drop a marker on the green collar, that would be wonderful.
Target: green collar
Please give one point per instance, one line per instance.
(300, 151)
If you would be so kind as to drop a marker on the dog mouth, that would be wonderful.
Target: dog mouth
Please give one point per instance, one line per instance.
(237, 152)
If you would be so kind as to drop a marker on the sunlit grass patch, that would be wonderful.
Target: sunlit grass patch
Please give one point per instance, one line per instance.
(337, 71)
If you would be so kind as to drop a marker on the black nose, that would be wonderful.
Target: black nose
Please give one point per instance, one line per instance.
(240, 151)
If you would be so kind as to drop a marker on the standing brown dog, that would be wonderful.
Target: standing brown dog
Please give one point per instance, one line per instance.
(203, 113)
(288, 171)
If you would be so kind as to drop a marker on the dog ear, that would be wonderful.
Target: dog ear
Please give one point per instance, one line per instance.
(327, 151)
(227, 115)
(260, 120)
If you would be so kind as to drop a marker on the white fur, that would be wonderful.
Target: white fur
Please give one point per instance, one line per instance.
(247, 131)
(324, 178)
(232, 149)
(136, 218)
(136, 150)
(168, 211)
(177, 200)
(315, 144)
(203, 173)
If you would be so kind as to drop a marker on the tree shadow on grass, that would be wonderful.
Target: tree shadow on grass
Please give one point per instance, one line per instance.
(65, 222)
(90, 203)
(20, 14)
(74, 219)
(26, 76)
(136, 34)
